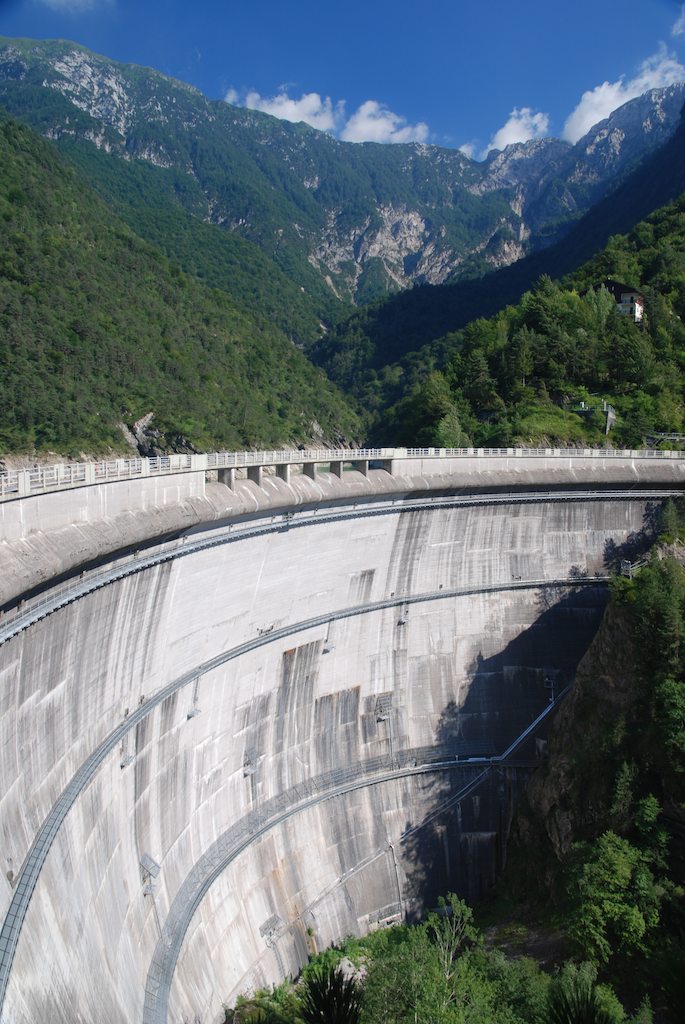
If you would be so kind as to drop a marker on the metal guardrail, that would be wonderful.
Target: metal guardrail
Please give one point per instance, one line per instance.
(42, 479)
(26, 482)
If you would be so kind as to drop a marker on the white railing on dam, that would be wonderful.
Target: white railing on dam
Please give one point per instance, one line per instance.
(41, 479)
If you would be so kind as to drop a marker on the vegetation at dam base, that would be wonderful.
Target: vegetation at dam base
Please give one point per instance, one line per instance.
(599, 834)
(437, 972)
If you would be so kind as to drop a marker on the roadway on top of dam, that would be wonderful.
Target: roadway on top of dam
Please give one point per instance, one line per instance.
(45, 479)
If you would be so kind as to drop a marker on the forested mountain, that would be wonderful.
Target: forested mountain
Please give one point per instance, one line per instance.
(98, 328)
(542, 371)
(385, 332)
(330, 221)
(291, 224)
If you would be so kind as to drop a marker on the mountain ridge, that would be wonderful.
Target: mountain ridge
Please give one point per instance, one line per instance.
(345, 221)
(391, 330)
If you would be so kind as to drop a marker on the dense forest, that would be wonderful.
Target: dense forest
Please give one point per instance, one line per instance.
(389, 345)
(97, 327)
(541, 372)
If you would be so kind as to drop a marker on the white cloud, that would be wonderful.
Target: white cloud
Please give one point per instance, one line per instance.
(371, 122)
(523, 125)
(659, 70)
(679, 27)
(374, 122)
(77, 6)
(316, 111)
(469, 149)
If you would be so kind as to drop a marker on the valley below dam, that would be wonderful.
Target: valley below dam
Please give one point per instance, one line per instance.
(305, 715)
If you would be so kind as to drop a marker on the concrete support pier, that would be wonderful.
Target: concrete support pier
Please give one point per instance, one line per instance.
(227, 476)
(309, 469)
(362, 466)
(283, 472)
(336, 469)
(254, 473)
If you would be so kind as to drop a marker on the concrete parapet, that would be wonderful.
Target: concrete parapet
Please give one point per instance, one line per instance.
(52, 511)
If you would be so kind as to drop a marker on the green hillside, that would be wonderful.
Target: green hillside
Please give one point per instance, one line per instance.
(97, 327)
(598, 839)
(164, 206)
(377, 351)
(541, 371)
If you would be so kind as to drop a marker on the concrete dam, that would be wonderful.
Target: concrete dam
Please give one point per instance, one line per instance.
(251, 703)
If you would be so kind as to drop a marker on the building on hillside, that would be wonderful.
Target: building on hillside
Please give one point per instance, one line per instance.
(630, 301)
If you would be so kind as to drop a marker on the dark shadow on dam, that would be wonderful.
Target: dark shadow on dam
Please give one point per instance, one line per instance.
(638, 543)
(459, 845)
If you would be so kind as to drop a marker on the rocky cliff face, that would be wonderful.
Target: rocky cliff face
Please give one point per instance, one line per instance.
(564, 802)
(366, 218)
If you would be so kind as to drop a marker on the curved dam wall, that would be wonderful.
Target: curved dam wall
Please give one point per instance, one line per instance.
(219, 763)
(63, 526)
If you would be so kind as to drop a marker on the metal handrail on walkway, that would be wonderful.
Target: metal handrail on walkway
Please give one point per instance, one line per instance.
(43, 479)
(301, 797)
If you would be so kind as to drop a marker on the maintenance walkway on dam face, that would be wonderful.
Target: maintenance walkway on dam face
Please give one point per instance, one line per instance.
(286, 804)
(291, 642)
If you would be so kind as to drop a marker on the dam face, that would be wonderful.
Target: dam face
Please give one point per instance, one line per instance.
(284, 732)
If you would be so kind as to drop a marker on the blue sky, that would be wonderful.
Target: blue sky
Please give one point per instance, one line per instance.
(472, 75)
